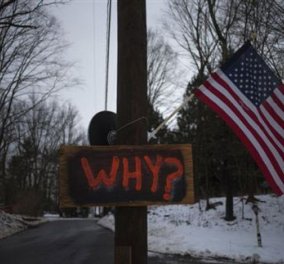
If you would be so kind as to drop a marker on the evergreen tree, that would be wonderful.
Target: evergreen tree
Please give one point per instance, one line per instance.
(154, 119)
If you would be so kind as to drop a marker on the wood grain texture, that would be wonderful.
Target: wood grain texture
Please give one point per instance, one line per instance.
(73, 181)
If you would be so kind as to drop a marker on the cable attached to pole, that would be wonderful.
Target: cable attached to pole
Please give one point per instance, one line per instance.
(108, 22)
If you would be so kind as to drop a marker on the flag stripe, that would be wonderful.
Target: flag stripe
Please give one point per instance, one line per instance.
(271, 111)
(245, 135)
(225, 95)
(248, 110)
(272, 129)
(276, 107)
(251, 147)
(277, 101)
(270, 120)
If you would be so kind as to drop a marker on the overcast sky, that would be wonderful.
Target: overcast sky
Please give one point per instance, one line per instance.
(84, 24)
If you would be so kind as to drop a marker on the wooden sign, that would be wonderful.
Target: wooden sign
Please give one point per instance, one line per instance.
(125, 175)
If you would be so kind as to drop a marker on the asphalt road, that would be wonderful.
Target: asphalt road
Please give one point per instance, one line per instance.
(68, 242)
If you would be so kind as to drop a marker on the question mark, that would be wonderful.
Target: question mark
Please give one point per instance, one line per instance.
(172, 177)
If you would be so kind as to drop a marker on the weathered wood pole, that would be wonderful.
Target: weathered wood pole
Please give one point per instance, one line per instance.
(131, 222)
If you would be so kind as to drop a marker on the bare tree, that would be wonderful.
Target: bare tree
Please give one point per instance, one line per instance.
(161, 69)
(31, 62)
(31, 59)
(40, 133)
(189, 26)
(14, 11)
(209, 30)
(262, 22)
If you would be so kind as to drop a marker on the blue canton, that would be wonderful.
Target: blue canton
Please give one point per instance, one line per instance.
(252, 76)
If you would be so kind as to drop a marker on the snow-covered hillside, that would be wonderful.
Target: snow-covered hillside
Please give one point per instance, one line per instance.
(184, 229)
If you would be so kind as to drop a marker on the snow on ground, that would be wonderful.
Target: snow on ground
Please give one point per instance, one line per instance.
(11, 224)
(185, 229)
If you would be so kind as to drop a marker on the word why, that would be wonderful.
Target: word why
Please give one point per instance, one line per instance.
(170, 168)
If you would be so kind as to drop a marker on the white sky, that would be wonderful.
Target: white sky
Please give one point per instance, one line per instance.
(84, 24)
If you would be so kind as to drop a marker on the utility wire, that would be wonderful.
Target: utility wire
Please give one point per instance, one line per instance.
(108, 22)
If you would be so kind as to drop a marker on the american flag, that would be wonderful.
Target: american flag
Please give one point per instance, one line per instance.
(250, 98)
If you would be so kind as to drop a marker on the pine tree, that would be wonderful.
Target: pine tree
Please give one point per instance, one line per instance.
(154, 119)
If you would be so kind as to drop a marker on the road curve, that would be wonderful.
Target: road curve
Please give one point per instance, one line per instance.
(69, 242)
(59, 242)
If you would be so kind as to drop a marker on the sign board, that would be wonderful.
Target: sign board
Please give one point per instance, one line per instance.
(125, 175)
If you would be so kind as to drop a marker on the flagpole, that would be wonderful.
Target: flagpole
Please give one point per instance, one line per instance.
(156, 130)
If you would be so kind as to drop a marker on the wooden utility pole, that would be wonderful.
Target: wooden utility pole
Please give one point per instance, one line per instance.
(128, 176)
(131, 222)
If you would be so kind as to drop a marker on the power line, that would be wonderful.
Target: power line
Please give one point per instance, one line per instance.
(108, 22)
